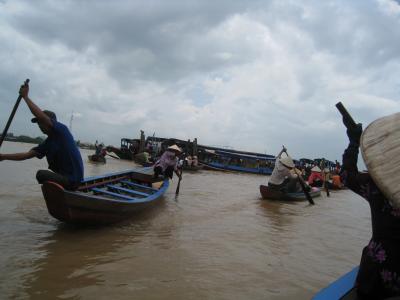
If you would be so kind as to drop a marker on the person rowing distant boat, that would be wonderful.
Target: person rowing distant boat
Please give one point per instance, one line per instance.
(63, 156)
(315, 178)
(168, 163)
(283, 177)
(379, 273)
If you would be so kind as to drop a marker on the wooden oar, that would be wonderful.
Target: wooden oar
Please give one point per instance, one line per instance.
(179, 182)
(324, 178)
(349, 121)
(326, 187)
(303, 186)
(3, 136)
(113, 156)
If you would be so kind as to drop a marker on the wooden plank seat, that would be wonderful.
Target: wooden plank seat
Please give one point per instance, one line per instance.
(130, 183)
(129, 191)
(116, 195)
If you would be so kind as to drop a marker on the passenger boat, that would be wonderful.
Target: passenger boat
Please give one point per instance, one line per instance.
(219, 160)
(268, 193)
(105, 199)
(341, 289)
(97, 158)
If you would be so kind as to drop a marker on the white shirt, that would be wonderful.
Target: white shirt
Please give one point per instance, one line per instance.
(279, 173)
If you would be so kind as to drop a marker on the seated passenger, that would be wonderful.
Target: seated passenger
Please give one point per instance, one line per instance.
(315, 178)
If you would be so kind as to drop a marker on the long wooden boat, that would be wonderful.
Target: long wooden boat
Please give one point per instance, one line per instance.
(105, 199)
(341, 289)
(268, 193)
(215, 166)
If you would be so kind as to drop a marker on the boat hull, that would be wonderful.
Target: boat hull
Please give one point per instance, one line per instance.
(238, 169)
(342, 288)
(97, 201)
(268, 193)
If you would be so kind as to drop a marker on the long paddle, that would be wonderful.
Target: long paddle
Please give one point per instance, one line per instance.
(113, 156)
(303, 186)
(326, 186)
(324, 177)
(349, 121)
(179, 182)
(3, 136)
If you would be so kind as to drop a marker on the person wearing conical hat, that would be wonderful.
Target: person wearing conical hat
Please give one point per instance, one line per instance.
(168, 162)
(315, 178)
(379, 273)
(282, 179)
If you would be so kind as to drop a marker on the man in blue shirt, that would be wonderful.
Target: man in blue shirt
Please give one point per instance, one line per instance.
(63, 156)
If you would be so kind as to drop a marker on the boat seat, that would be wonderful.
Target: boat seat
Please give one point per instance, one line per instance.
(138, 185)
(124, 197)
(129, 191)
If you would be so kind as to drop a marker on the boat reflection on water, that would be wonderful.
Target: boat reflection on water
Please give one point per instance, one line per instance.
(73, 260)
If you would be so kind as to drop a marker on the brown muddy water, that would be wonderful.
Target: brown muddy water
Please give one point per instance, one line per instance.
(217, 240)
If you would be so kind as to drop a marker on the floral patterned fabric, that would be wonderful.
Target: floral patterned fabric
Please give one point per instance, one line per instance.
(379, 274)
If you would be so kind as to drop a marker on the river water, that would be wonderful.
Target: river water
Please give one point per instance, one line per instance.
(216, 240)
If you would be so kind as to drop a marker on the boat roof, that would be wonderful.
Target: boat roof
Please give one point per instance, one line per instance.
(246, 156)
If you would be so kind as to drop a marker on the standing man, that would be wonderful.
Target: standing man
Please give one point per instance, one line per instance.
(168, 163)
(63, 156)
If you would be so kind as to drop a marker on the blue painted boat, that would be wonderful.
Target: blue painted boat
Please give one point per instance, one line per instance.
(342, 288)
(105, 199)
(219, 160)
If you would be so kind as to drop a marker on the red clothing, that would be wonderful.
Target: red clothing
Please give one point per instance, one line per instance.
(313, 176)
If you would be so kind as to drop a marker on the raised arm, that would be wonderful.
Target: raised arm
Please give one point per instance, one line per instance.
(349, 168)
(280, 153)
(43, 119)
(18, 156)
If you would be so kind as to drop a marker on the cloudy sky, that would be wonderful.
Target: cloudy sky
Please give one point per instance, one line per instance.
(252, 75)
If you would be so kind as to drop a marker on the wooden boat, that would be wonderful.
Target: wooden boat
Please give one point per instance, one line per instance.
(97, 158)
(342, 288)
(128, 152)
(105, 199)
(268, 193)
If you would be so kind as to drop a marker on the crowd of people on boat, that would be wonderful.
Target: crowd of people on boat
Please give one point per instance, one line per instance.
(379, 273)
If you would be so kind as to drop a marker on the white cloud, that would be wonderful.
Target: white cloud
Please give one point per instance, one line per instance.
(251, 75)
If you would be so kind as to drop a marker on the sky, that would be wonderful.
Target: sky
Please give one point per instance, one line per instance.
(249, 75)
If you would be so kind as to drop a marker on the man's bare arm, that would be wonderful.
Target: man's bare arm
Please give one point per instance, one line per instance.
(18, 156)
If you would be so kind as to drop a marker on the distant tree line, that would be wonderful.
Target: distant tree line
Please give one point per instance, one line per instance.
(23, 138)
(37, 140)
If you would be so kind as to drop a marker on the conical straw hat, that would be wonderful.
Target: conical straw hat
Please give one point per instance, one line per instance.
(175, 148)
(380, 148)
(316, 169)
(287, 161)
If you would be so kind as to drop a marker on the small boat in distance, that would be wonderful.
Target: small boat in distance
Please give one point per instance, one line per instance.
(341, 289)
(97, 158)
(268, 193)
(105, 199)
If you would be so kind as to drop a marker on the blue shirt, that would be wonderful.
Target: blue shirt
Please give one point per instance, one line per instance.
(62, 153)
